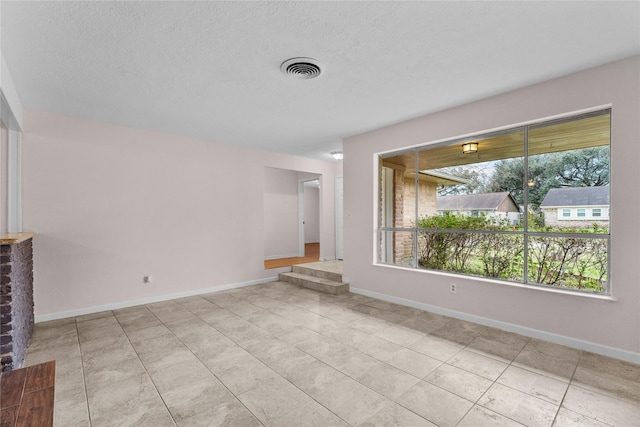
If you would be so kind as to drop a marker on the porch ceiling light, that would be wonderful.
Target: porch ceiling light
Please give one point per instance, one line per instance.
(337, 155)
(470, 148)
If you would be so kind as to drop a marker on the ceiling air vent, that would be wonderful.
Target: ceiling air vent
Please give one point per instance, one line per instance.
(301, 68)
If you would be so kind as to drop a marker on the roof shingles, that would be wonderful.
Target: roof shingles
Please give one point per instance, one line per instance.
(469, 202)
(577, 196)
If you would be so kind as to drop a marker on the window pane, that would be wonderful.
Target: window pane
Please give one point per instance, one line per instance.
(569, 169)
(568, 262)
(445, 251)
(396, 248)
(502, 256)
(477, 254)
(463, 210)
(486, 184)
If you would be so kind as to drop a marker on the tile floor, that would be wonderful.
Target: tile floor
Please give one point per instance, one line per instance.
(279, 355)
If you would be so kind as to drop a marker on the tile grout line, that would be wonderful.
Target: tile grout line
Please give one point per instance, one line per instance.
(239, 316)
(267, 366)
(350, 308)
(564, 395)
(144, 366)
(493, 381)
(311, 355)
(355, 379)
(84, 377)
(489, 388)
(382, 361)
(533, 372)
(198, 358)
(323, 362)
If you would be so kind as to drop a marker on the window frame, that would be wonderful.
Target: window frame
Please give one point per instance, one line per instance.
(525, 233)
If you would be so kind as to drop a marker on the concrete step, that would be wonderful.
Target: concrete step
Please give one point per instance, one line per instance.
(316, 283)
(308, 270)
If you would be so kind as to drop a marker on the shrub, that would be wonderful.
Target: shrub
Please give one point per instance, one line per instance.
(460, 243)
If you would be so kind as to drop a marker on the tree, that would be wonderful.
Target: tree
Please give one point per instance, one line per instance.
(477, 175)
(587, 167)
(509, 176)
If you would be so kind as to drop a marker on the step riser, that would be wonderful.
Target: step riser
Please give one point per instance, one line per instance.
(336, 277)
(310, 284)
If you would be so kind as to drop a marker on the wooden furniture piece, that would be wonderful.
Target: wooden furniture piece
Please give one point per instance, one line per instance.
(27, 396)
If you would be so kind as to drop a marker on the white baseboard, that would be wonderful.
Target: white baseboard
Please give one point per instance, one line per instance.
(142, 301)
(604, 350)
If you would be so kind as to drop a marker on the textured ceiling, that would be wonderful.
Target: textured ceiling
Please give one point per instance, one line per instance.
(212, 69)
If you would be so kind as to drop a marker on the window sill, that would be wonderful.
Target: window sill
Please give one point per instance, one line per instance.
(560, 291)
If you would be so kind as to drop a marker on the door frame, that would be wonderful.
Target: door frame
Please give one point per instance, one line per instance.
(339, 204)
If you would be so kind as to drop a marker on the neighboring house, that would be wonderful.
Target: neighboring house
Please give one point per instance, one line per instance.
(576, 207)
(488, 204)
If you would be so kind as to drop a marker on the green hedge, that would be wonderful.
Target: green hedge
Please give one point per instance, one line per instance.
(557, 261)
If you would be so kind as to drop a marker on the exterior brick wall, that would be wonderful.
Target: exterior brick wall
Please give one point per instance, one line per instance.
(16, 303)
(426, 200)
(426, 206)
(404, 209)
(399, 239)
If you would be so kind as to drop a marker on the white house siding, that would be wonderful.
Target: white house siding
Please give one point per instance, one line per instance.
(552, 217)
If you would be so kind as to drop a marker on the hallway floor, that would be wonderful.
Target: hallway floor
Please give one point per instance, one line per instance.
(279, 355)
(311, 254)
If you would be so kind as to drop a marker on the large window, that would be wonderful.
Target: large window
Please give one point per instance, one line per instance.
(522, 205)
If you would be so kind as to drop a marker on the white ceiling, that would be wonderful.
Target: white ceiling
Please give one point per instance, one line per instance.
(212, 69)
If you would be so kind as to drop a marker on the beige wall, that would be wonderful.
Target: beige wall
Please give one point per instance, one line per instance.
(112, 204)
(311, 217)
(609, 325)
(280, 199)
(4, 155)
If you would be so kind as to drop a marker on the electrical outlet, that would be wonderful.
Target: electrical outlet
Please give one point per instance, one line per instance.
(146, 279)
(453, 288)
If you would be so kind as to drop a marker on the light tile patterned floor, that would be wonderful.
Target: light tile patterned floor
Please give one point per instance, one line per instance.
(279, 355)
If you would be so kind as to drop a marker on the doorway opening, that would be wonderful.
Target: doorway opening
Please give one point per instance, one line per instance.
(292, 217)
(309, 214)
